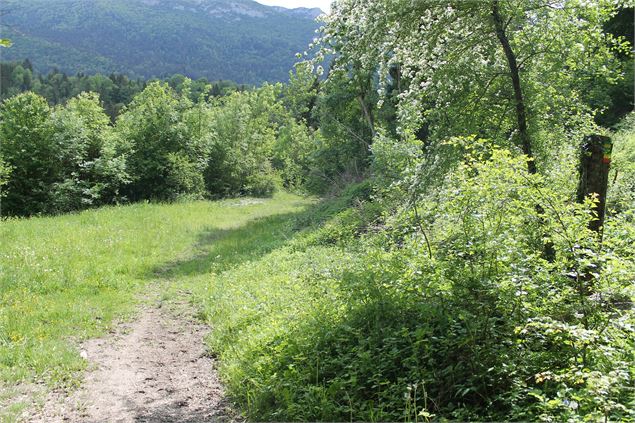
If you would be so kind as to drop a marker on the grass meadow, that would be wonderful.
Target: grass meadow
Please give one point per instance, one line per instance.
(68, 278)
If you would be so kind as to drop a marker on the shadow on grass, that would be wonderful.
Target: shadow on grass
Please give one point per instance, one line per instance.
(217, 250)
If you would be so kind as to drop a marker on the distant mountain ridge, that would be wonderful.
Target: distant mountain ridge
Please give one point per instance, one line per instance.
(239, 40)
(307, 12)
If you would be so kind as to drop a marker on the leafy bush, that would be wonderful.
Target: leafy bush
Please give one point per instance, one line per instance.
(243, 131)
(292, 153)
(184, 179)
(93, 163)
(5, 174)
(27, 146)
(262, 185)
(164, 146)
(447, 312)
(152, 127)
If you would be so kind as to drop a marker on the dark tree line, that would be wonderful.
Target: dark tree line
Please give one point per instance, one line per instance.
(115, 90)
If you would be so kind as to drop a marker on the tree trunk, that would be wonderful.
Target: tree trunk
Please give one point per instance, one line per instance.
(368, 114)
(595, 161)
(521, 114)
(549, 252)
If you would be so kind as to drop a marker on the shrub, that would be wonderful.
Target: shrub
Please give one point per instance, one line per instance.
(93, 161)
(27, 146)
(184, 178)
(449, 311)
(5, 174)
(243, 132)
(262, 184)
(292, 152)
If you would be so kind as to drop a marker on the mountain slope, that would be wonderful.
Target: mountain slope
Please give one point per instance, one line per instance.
(239, 40)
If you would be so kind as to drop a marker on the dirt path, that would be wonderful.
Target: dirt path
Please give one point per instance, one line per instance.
(151, 370)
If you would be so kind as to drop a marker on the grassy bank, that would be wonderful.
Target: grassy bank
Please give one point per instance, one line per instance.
(361, 317)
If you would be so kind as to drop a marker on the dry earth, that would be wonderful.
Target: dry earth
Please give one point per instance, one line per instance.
(154, 369)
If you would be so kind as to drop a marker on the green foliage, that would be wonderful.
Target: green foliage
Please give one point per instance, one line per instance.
(448, 312)
(292, 153)
(617, 95)
(153, 129)
(622, 187)
(93, 163)
(454, 283)
(452, 77)
(301, 92)
(222, 39)
(343, 148)
(263, 184)
(115, 91)
(184, 179)
(326, 144)
(63, 159)
(29, 149)
(5, 174)
(164, 146)
(243, 132)
(343, 225)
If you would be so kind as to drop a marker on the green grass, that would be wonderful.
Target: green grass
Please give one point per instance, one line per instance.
(67, 278)
(257, 271)
(278, 316)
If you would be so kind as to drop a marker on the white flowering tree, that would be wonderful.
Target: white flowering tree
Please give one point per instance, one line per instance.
(508, 70)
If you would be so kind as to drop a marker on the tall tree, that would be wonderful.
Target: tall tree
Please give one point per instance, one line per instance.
(514, 72)
(504, 70)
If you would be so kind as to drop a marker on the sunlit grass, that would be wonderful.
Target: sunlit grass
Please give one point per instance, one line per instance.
(67, 278)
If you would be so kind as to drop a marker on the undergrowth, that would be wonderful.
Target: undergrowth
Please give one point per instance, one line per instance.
(378, 312)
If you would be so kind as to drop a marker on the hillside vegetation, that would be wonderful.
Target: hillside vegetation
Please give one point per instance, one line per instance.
(472, 255)
(240, 40)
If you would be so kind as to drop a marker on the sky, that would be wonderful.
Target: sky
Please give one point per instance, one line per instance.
(325, 5)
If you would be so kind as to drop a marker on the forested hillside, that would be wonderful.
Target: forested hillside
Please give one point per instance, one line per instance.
(466, 251)
(240, 40)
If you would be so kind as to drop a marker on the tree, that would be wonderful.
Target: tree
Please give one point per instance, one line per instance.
(27, 146)
(300, 94)
(504, 70)
(93, 160)
(292, 153)
(514, 72)
(153, 129)
(243, 128)
(617, 96)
